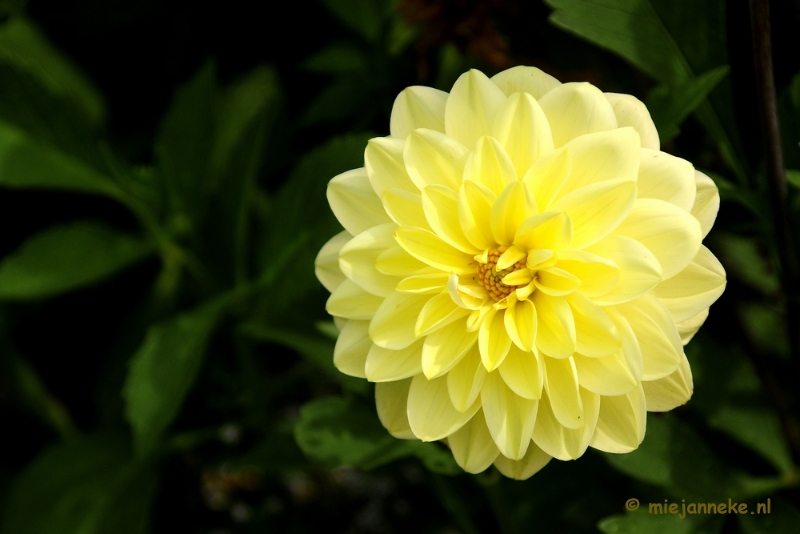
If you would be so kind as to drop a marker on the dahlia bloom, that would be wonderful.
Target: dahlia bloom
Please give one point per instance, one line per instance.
(520, 269)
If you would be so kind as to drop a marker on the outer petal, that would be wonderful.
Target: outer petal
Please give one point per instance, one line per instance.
(706, 203)
(622, 422)
(556, 329)
(429, 248)
(546, 177)
(523, 372)
(472, 445)
(565, 443)
(666, 178)
(358, 257)
(471, 107)
(351, 302)
(671, 391)
(326, 265)
(595, 332)
(576, 109)
(602, 156)
(437, 313)
(671, 234)
(489, 164)
(392, 327)
(386, 169)
(639, 270)
(446, 347)
(432, 158)
(525, 79)
(693, 289)
(630, 111)
(417, 107)
(352, 347)
(522, 128)
(465, 380)
(561, 385)
(384, 365)
(395, 261)
(431, 415)
(441, 209)
(391, 399)
(598, 275)
(609, 375)
(688, 328)
(404, 207)
(523, 469)
(510, 418)
(658, 337)
(355, 203)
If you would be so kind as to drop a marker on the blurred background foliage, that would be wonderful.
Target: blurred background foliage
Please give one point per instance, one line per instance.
(165, 356)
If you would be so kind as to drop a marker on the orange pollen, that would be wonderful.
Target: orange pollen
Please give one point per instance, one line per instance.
(490, 278)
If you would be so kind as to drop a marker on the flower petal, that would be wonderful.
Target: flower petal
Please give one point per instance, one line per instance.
(595, 332)
(630, 111)
(417, 107)
(533, 461)
(349, 301)
(326, 264)
(671, 234)
(510, 418)
(658, 337)
(522, 128)
(546, 177)
(551, 230)
(438, 312)
(688, 328)
(514, 205)
(639, 271)
(465, 380)
(472, 445)
(575, 109)
(395, 261)
(493, 341)
(598, 275)
(441, 209)
(706, 202)
(386, 169)
(674, 390)
(432, 250)
(556, 282)
(444, 348)
(404, 207)
(555, 335)
(525, 79)
(471, 107)
(561, 385)
(622, 422)
(608, 375)
(431, 415)
(357, 259)
(475, 203)
(352, 347)
(392, 327)
(354, 202)
(666, 178)
(602, 156)
(489, 164)
(385, 365)
(391, 399)
(432, 158)
(521, 323)
(693, 289)
(424, 283)
(523, 372)
(565, 443)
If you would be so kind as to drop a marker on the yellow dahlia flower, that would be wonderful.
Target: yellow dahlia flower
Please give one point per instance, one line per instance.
(520, 269)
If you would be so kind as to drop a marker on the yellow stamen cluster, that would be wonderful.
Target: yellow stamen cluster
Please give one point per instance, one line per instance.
(491, 278)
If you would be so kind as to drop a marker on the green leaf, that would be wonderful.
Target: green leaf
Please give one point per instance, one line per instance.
(339, 432)
(789, 115)
(644, 522)
(85, 486)
(793, 177)
(671, 40)
(746, 260)
(163, 371)
(336, 58)
(363, 16)
(669, 105)
(10, 7)
(338, 101)
(775, 517)
(67, 257)
(23, 45)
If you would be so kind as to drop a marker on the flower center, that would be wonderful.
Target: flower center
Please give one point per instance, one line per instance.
(491, 278)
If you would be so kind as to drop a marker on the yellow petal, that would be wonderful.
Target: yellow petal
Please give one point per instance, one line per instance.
(493, 341)
(533, 461)
(417, 107)
(674, 390)
(404, 207)
(671, 234)
(392, 327)
(432, 158)
(465, 380)
(518, 278)
(438, 312)
(444, 348)
(555, 335)
(706, 202)
(511, 256)
(471, 107)
(475, 203)
(541, 258)
(521, 322)
(431, 415)
(639, 271)
(354, 202)
(432, 250)
(395, 261)
(441, 209)
(386, 169)
(666, 178)
(424, 283)
(598, 275)
(561, 385)
(488, 164)
(595, 331)
(522, 128)
(565, 443)
(549, 230)
(526, 80)
(385, 365)
(688, 328)
(609, 375)
(596, 210)
(622, 422)
(472, 445)
(358, 257)
(556, 282)
(514, 205)
(693, 289)
(575, 109)
(326, 264)
(523, 372)
(546, 177)
(630, 111)
(349, 301)
(352, 347)
(391, 399)
(510, 418)
(602, 156)
(658, 337)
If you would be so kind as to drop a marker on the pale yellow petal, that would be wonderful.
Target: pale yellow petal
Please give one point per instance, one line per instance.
(622, 422)
(658, 337)
(514, 205)
(561, 385)
(556, 282)
(671, 234)
(597, 275)
(424, 283)
(417, 107)
(533, 461)
(522, 128)
(444, 348)
(471, 107)
(475, 203)
(525, 79)
(431, 415)
(465, 380)
(706, 202)
(630, 111)
(326, 264)
(395, 261)
(432, 250)
(357, 259)
(385, 365)
(666, 178)
(575, 109)
(688, 328)
(693, 289)
(602, 156)
(391, 399)
(550, 230)
(609, 375)
(472, 445)
(441, 209)
(566, 443)
(432, 158)
(555, 334)
(352, 347)
(546, 177)
(523, 372)
(349, 301)
(404, 207)
(354, 202)
(493, 341)
(596, 334)
(438, 312)
(386, 169)
(392, 327)
(510, 418)
(521, 323)
(639, 270)
(489, 164)
(674, 390)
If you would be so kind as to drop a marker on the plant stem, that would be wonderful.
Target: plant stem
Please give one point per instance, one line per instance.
(776, 173)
